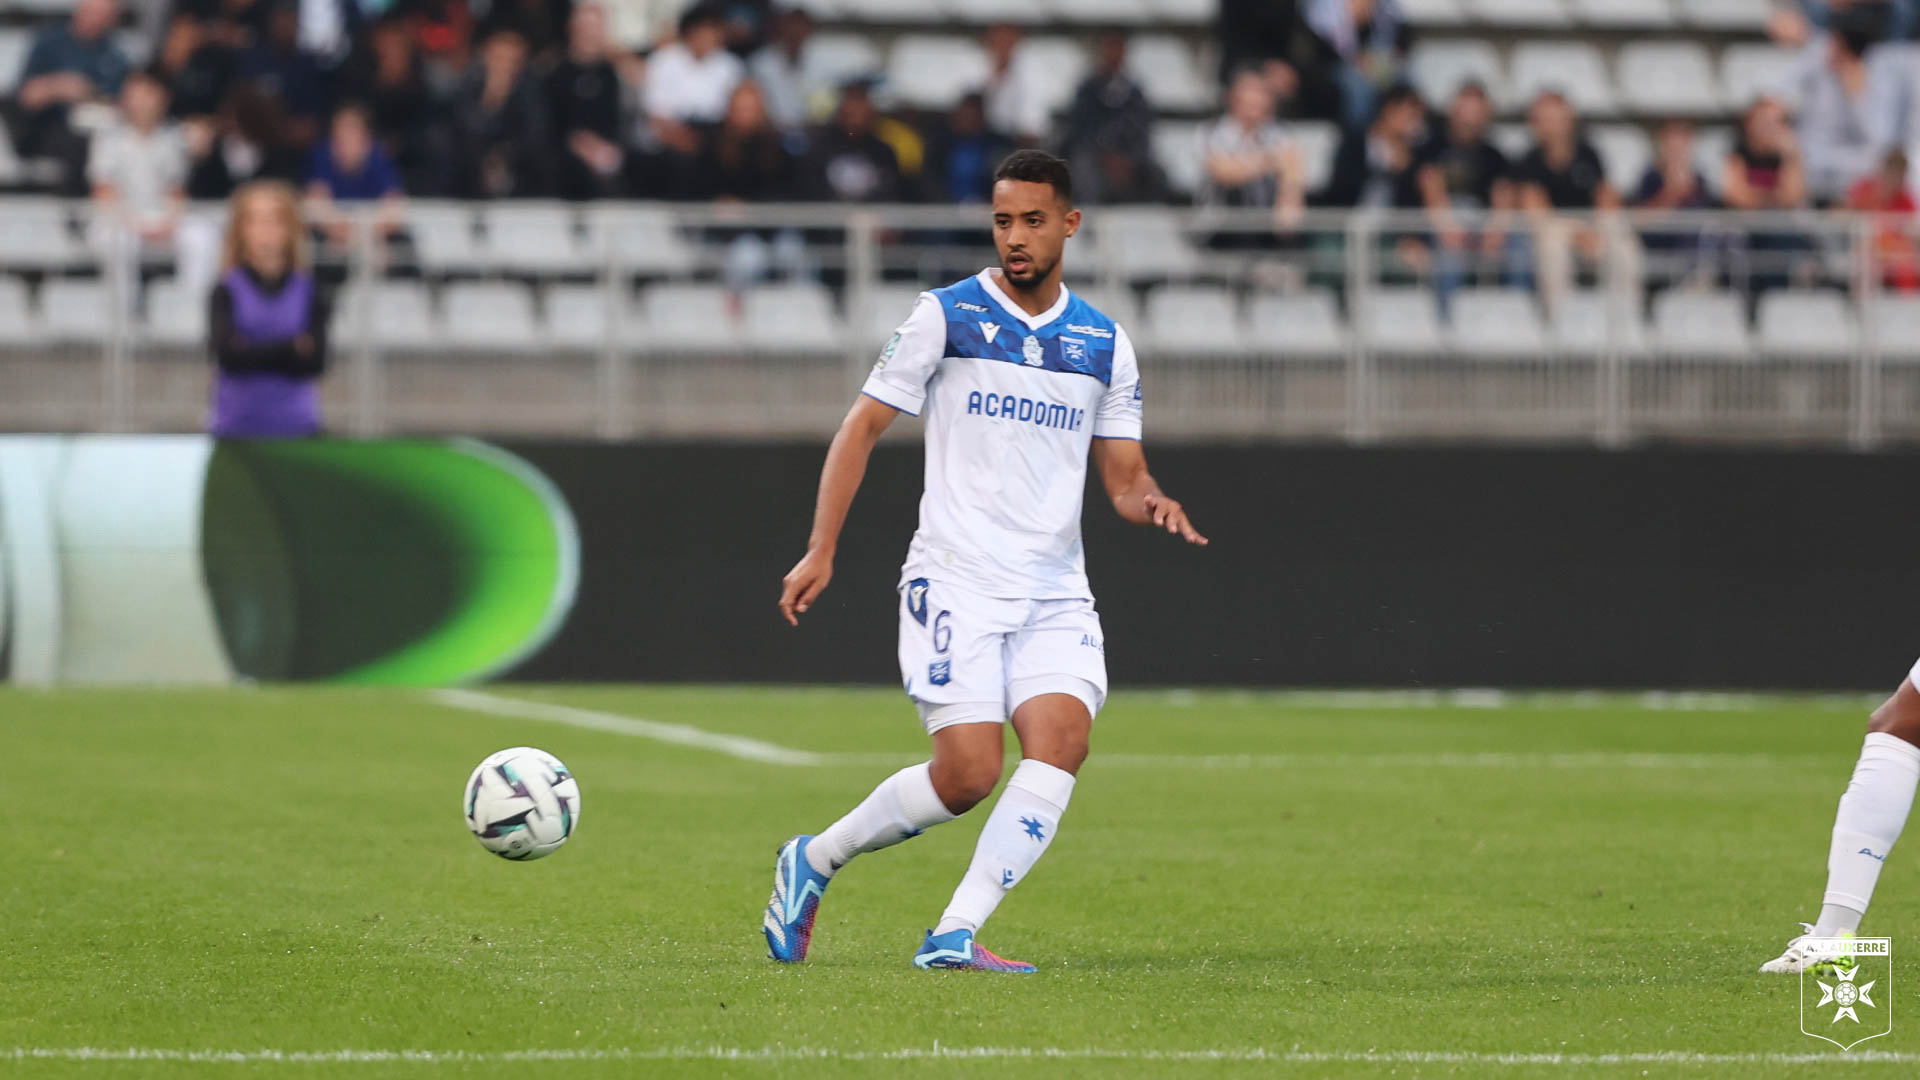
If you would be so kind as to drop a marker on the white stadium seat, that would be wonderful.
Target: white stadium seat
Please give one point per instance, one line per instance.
(1534, 13)
(1401, 320)
(1893, 322)
(1192, 12)
(993, 11)
(1626, 152)
(1749, 71)
(1585, 321)
(490, 315)
(1170, 73)
(784, 318)
(1143, 244)
(887, 308)
(1662, 78)
(1806, 321)
(834, 59)
(1711, 145)
(1701, 323)
(15, 43)
(1062, 63)
(1183, 319)
(914, 11)
(1438, 68)
(1623, 13)
(33, 232)
(1497, 322)
(17, 324)
(73, 310)
(532, 236)
(400, 314)
(1118, 306)
(1747, 15)
(1124, 12)
(1434, 12)
(1513, 140)
(443, 234)
(687, 316)
(1295, 324)
(1176, 149)
(575, 316)
(1572, 67)
(643, 239)
(175, 315)
(935, 71)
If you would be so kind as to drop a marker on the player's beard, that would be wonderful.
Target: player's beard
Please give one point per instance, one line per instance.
(1036, 273)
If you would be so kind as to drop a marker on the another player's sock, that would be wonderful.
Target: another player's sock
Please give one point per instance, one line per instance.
(903, 806)
(1873, 810)
(1016, 835)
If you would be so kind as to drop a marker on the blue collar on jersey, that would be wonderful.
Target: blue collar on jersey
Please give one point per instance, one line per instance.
(1071, 338)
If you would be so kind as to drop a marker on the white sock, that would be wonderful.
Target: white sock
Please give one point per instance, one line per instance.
(1017, 833)
(1873, 810)
(903, 806)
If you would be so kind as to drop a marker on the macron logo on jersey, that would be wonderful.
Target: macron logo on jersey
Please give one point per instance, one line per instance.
(989, 329)
(1026, 410)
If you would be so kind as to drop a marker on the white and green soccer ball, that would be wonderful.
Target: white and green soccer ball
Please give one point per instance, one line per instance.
(522, 803)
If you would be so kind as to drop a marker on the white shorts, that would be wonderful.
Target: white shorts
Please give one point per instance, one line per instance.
(960, 648)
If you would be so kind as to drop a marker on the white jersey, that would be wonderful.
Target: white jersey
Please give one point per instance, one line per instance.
(1012, 402)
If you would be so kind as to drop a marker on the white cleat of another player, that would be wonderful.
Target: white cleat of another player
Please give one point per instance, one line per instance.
(1797, 958)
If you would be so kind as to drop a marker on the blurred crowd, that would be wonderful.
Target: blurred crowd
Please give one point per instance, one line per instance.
(365, 101)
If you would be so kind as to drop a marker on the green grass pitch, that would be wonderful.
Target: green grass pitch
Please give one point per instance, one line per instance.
(1245, 885)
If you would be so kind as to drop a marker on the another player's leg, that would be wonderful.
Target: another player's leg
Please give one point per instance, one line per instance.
(964, 769)
(1872, 813)
(1054, 729)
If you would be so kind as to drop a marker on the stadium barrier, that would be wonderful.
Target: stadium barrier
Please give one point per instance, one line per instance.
(171, 558)
(665, 322)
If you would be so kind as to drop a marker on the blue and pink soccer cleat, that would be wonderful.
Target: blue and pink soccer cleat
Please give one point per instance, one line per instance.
(797, 888)
(957, 950)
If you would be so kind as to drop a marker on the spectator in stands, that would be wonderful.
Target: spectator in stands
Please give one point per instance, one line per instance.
(1672, 182)
(1108, 140)
(1248, 158)
(138, 166)
(967, 153)
(1848, 110)
(1766, 172)
(780, 69)
(278, 65)
(1368, 42)
(266, 322)
(849, 162)
(583, 93)
(350, 168)
(1375, 167)
(540, 24)
(1885, 194)
(1272, 37)
(1562, 182)
(388, 76)
(690, 82)
(1465, 183)
(196, 70)
(1016, 90)
(500, 124)
(746, 160)
(246, 141)
(71, 63)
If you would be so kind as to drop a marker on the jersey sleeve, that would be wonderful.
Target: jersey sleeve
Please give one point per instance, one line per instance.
(910, 358)
(1120, 406)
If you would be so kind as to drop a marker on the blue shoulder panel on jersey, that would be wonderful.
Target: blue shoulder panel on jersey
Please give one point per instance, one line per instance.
(1078, 342)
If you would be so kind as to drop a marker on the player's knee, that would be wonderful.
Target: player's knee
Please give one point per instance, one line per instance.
(966, 783)
(1899, 715)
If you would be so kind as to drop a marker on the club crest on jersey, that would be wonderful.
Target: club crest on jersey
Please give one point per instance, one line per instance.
(886, 352)
(990, 329)
(917, 600)
(1032, 350)
(1076, 349)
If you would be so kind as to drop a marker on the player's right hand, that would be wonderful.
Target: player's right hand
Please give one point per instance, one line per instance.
(803, 583)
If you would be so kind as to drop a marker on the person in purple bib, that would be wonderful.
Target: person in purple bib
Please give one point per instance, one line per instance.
(267, 326)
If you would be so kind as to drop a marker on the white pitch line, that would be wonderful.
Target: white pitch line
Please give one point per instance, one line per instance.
(937, 1052)
(678, 734)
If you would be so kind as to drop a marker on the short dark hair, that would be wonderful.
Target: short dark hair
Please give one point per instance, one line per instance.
(1037, 167)
(701, 14)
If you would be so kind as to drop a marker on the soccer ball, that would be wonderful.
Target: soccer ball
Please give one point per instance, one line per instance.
(522, 803)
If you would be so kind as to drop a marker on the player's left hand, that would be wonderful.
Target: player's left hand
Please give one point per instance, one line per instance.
(1169, 514)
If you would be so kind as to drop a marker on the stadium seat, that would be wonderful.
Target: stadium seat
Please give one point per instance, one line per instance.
(1401, 320)
(1062, 63)
(175, 314)
(1623, 13)
(489, 315)
(983, 12)
(75, 310)
(1572, 67)
(1743, 15)
(1584, 321)
(1434, 12)
(1142, 245)
(443, 234)
(1319, 140)
(15, 43)
(833, 59)
(1513, 140)
(644, 240)
(574, 316)
(1748, 71)
(532, 236)
(1667, 78)
(1117, 305)
(1625, 150)
(17, 324)
(687, 316)
(1525, 13)
(400, 314)
(1893, 323)
(1711, 145)
(1701, 323)
(1170, 74)
(1183, 319)
(1295, 324)
(1806, 322)
(935, 71)
(1176, 149)
(1189, 12)
(790, 318)
(887, 308)
(1438, 68)
(888, 11)
(1120, 12)
(1497, 322)
(33, 232)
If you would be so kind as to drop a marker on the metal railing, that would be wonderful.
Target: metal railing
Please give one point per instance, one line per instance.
(671, 321)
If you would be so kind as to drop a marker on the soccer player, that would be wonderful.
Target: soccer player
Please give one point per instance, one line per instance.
(1017, 379)
(1872, 812)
